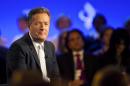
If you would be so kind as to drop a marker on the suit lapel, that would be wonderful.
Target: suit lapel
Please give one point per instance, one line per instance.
(35, 54)
(31, 46)
(46, 50)
(71, 64)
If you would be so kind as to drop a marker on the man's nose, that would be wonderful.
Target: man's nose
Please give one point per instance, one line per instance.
(42, 27)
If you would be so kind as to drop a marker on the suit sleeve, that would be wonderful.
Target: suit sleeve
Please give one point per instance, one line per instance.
(15, 59)
(55, 65)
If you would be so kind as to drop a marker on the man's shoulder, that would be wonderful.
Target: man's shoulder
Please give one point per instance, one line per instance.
(21, 41)
(49, 44)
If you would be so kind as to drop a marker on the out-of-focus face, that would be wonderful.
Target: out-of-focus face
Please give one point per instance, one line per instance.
(39, 26)
(98, 24)
(106, 36)
(63, 38)
(76, 42)
(22, 24)
(120, 47)
(64, 23)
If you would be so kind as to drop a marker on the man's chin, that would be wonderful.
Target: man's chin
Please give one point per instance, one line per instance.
(39, 39)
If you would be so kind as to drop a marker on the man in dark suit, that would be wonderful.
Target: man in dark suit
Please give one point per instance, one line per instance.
(76, 66)
(32, 51)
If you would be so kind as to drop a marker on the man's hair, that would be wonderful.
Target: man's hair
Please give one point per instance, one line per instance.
(36, 11)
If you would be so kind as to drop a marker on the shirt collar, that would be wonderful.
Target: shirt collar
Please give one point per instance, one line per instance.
(78, 52)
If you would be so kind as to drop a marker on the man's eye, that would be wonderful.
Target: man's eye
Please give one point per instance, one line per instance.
(46, 23)
(36, 23)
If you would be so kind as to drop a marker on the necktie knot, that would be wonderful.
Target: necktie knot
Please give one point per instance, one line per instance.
(77, 55)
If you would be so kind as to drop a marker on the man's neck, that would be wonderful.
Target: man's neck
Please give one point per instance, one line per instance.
(35, 39)
(79, 51)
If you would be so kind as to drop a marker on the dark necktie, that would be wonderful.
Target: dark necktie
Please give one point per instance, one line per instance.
(78, 62)
(79, 66)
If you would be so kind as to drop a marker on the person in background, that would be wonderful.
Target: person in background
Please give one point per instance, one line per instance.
(3, 40)
(118, 52)
(127, 26)
(22, 26)
(28, 78)
(76, 66)
(63, 24)
(3, 52)
(61, 43)
(94, 41)
(105, 41)
(110, 76)
(99, 21)
(3, 72)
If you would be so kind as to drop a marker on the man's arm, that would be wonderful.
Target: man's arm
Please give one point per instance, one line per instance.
(15, 59)
(56, 69)
(54, 65)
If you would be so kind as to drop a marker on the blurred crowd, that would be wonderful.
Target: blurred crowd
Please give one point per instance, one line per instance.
(103, 60)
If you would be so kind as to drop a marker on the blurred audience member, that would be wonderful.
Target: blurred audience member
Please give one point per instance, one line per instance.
(63, 24)
(99, 21)
(3, 74)
(76, 66)
(61, 43)
(110, 76)
(105, 40)
(127, 25)
(118, 52)
(22, 26)
(94, 43)
(3, 41)
(3, 51)
(28, 78)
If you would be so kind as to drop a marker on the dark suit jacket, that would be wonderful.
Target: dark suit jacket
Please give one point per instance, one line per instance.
(22, 56)
(66, 66)
(3, 77)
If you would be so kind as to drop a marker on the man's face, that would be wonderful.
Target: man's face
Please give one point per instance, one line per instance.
(76, 42)
(39, 26)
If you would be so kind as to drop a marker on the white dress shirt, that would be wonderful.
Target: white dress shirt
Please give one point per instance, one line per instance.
(78, 72)
(39, 47)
